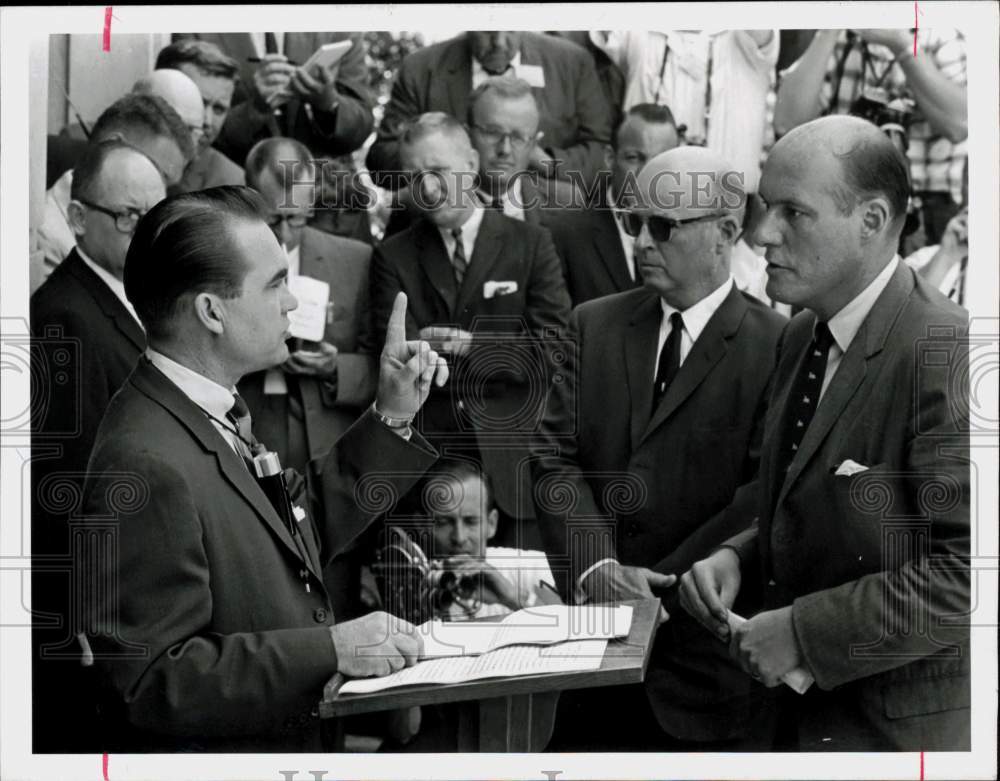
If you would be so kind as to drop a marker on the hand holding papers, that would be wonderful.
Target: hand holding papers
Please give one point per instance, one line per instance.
(574, 639)
(798, 679)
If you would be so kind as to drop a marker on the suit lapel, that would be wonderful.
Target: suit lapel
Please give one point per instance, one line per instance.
(705, 353)
(107, 301)
(609, 247)
(432, 255)
(484, 256)
(640, 349)
(851, 373)
(154, 384)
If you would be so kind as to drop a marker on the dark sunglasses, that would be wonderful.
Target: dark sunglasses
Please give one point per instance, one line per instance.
(659, 227)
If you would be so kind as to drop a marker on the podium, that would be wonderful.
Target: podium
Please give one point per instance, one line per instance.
(512, 714)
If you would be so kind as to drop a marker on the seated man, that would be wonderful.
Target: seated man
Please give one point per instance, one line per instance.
(488, 581)
(214, 74)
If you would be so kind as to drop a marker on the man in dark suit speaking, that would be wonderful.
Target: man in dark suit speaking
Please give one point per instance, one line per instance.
(652, 428)
(207, 613)
(862, 532)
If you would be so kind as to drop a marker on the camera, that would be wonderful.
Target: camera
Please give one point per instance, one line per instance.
(893, 117)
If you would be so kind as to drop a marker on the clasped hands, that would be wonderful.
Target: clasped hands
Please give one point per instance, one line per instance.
(765, 646)
(276, 81)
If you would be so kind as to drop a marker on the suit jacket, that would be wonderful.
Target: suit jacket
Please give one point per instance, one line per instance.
(500, 383)
(210, 169)
(206, 635)
(590, 247)
(330, 409)
(327, 135)
(862, 559)
(575, 116)
(649, 488)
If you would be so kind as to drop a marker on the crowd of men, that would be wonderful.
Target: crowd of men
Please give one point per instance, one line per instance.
(640, 302)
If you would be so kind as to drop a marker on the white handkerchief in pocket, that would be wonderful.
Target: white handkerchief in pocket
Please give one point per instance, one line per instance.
(494, 288)
(849, 467)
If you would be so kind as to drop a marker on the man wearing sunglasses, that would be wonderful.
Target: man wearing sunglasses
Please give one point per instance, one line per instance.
(81, 304)
(655, 426)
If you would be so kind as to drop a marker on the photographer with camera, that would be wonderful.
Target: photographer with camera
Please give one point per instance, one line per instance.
(872, 74)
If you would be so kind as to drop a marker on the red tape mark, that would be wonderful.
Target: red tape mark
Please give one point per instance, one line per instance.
(916, 26)
(921, 767)
(104, 763)
(107, 31)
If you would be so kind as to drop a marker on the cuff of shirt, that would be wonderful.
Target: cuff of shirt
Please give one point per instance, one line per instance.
(579, 594)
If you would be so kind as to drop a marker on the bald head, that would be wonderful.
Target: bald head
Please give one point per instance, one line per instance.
(179, 91)
(690, 181)
(869, 163)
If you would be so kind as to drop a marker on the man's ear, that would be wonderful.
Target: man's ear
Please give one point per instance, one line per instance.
(609, 157)
(730, 228)
(77, 215)
(875, 217)
(491, 523)
(210, 312)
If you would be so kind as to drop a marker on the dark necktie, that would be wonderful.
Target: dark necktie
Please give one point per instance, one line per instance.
(670, 359)
(458, 260)
(270, 43)
(239, 416)
(804, 396)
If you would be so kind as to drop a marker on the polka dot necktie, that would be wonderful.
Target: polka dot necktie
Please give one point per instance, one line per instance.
(804, 396)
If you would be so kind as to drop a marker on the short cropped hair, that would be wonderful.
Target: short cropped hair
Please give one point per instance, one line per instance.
(143, 115)
(508, 87)
(455, 469)
(273, 155)
(205, 56)
(429, 123)
(87, 171)
(181, 247)
(653, 113)
(873, 167)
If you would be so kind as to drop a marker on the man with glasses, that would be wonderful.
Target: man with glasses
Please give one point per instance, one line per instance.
(598, 254)
(83, 303)
(655, 425)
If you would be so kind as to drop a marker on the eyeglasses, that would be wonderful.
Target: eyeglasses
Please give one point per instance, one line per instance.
(493, 135)
(125, 221)
(660, 228)
(293, 220)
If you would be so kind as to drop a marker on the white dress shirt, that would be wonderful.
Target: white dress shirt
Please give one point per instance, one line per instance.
(470, 230)
(109, 279)
(695, 319)
(207, 394)
(844, 325)
(479, 75)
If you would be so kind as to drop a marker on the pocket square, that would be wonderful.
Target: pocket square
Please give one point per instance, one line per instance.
(849, 467)
(493, 288)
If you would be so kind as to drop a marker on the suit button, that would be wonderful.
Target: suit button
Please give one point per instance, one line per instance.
(771, 583)
(319, 615)
(461, 404)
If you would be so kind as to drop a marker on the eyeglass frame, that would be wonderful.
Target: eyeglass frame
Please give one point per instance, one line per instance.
(133, 215)
(273, 221)
(517, 141)
(647, 220)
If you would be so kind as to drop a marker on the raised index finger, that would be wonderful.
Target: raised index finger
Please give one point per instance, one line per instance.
(395, 333)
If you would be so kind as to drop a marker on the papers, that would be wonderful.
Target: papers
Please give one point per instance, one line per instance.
(308, 320)
(538, 625)
(577, 656)
(798, 679)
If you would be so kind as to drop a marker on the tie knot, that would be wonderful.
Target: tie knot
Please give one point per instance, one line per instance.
(456, 234)
(239, 410)
(676, 321)
(822, 336)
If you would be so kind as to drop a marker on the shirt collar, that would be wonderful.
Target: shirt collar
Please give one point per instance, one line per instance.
(844, 325)
(116, 285)
(696, 317)
(469, 230)
(479, 75)
(206, 393)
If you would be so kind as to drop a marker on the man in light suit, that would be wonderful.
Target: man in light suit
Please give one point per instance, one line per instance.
(82, 309)
(209, 619)
(598, 255)
(575, 116)
(214, 74)
(487, 290)
(864, 575)
(327, 110)
(655, 424)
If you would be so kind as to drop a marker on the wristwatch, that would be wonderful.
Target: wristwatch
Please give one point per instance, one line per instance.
(400, 426)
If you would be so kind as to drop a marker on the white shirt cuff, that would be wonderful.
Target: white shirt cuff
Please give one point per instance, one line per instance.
(580, 595)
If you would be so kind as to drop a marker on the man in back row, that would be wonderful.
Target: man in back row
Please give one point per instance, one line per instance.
(860, 534)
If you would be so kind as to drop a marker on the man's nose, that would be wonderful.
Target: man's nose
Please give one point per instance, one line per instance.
(289, 303)
(644, 240)
(764, 230)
